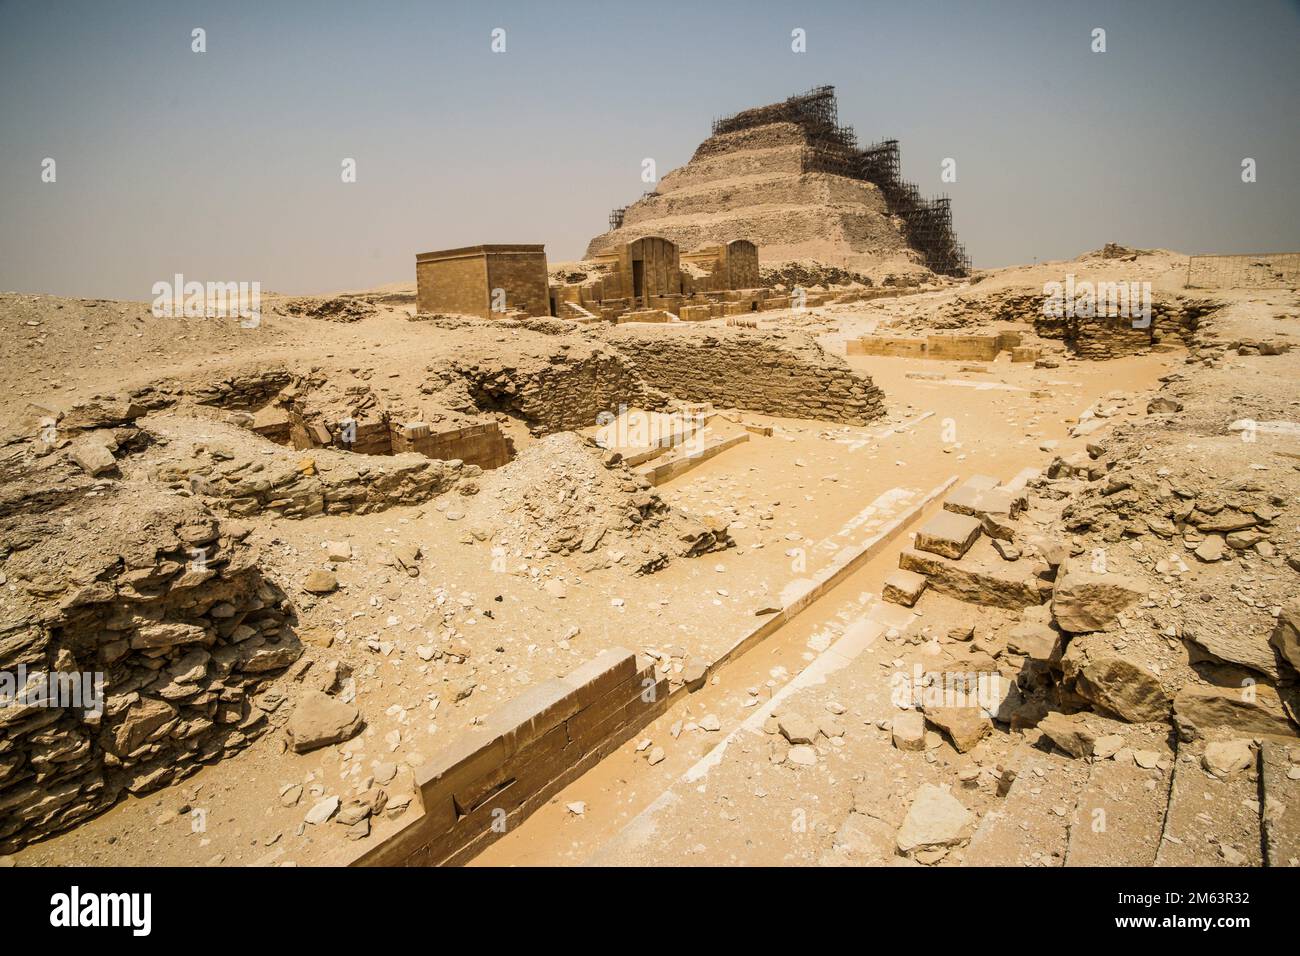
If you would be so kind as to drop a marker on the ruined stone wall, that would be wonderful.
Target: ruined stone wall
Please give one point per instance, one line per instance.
(777, 374)
(484, 444)
(562, 391)
(173, 615)
(980, 348)
(324, 482)
(501, 771)
(243, 390)
(1101, 338)
(1173, 318)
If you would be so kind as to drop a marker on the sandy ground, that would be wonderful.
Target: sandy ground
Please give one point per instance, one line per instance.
(787, 498)
(810, 477)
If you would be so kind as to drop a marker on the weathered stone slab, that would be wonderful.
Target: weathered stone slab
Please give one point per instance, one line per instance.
(1210, 822)
(976, 584)
(1030, 825)
(903, 587)
(1280, 782)
(1119, 816)
(948, 534)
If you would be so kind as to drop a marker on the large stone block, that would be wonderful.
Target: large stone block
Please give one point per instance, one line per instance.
(1087, 601)
(948, 534)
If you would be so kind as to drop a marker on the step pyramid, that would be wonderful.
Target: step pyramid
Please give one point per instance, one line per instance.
(789, 178)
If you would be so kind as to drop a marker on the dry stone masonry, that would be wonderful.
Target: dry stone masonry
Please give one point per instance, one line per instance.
(161, 607)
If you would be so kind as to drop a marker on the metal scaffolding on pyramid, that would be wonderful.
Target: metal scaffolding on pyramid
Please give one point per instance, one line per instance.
(833, 149)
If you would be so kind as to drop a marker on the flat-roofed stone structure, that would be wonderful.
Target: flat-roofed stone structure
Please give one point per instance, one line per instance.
(486, 281)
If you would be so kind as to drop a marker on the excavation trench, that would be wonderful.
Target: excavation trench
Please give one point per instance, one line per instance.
(998, 417)
(624, 784)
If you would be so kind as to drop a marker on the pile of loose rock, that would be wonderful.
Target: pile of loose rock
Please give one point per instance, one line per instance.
(340, 308)
(564, 496)
(245, 475)
(142, 629)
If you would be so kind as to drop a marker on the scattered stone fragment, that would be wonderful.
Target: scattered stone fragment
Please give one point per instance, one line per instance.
(935, 818)
(1107, 746)
(1071, 734)
(1118, 687)
(320, 582)
(93, 457)
(802, 755)
(908, 729)
(1286, 634)
(322, 810)
(1211, 549)
(964, 726)
(797, 729)
(1225, 758)
(320, 720)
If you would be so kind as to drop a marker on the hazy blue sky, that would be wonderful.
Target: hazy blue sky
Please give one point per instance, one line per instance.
(226, 165)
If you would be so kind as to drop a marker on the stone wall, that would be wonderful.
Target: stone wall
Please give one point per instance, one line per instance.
(646, 365)
(462, 280)
(978, 348)
(170, 610)
(457, 285)
(563, 391)
(784, 374)
(483, 445)
(1173, 318)
(321, 483)
(522, 275)
(496, 774)
(245, 389)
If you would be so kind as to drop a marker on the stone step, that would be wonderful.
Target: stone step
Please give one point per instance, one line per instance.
(903, 587)
(1210, 821)
(995, 509)
(1031, 826)
(1120, 814)
(1279, 762)
(948, 534)
(981, 581)
(681, 459)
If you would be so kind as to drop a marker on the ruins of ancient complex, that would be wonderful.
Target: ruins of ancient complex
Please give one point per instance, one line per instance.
(767, 508)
